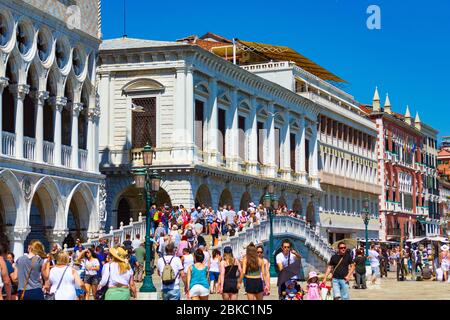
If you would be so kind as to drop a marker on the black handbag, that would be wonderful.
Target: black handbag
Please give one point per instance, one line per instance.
(100, 295)
(51, 296)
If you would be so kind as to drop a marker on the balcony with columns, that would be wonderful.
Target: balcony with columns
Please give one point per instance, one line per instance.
(15, 144)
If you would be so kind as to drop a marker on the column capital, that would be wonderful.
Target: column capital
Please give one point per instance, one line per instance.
(56, 236)
(40, 96)
(77, 107)
(58, 102)
(4, 82)
(17, 233)
(20, 90)
(94, 114)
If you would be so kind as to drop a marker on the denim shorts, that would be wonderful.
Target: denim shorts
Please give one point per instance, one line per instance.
(376, 271)
(173, 294)
(214, 276)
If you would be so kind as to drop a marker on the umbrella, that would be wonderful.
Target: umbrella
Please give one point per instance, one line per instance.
(292, 270)
(350, 243)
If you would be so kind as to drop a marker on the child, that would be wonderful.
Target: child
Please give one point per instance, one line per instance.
(293, 291)
(313, 291)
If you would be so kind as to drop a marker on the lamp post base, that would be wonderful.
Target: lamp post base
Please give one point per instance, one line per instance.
(147, 296)
(147, 285)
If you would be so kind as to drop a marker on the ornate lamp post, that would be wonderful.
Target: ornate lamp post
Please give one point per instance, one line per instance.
(149, 181)
(366, 218)
(271, 204)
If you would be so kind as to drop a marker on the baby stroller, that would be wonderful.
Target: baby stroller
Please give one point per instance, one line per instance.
(292, 291)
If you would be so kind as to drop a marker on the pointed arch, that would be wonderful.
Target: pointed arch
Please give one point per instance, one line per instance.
(12, 200)
(46, 191)
(81, 203)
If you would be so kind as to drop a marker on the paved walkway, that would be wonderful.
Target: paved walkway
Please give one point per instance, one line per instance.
(386, 289)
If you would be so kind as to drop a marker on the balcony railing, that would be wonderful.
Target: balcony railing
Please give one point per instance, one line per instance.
(49, 147)
(66, 155)
(8, 143)
(82, 159)
(29, 148)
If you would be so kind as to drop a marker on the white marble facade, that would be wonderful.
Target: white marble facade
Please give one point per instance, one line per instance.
(222, 133)
(49, 177)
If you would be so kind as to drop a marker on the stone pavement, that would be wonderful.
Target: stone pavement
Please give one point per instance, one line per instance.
(385, 289)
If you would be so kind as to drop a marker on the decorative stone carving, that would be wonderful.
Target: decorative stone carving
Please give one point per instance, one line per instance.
(41, 96)
(4, 82)
(56, 236)
(77, 108)
(19, 90)
(58, 102)
(17, 234)
(26, 187)
(102, 206)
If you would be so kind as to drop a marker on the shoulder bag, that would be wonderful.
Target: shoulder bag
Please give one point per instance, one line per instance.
(100, 295)
(334, 269)
(51, 296)
(28, 278)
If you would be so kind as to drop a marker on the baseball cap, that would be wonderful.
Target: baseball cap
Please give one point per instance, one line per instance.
(227, 249)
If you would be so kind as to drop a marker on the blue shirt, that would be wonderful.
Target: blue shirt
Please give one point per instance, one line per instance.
(194, 215)
(133, 261)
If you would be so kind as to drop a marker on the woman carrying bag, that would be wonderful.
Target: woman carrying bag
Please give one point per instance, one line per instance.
(32, 268)
(118, 277)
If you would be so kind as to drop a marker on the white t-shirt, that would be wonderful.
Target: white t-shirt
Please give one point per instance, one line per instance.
(214, 265)
(136, 243)
(374, 262)
(88, 264)
(188, 260)
(177, 267)
(111, 271)
(281, 258)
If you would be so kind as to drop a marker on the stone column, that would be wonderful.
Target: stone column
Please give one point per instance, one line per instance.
(58, 104)
(40, 97)
(286, 164)
(77, 107)
(179, 136)
(4, 82)
(17, 237)
(269, 157)
(253, 139)
(233, 133)
(56, 236)
(213, 124)
(96, 143)
(189, 120)
(19, 92)
(314, 163)
(302, 151)
(90, 141)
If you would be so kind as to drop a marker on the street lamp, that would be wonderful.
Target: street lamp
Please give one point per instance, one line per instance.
(150, 182)
(271, 205)
(366, 218)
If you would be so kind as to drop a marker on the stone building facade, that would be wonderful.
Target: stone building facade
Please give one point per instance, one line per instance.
(221, 133)
(49, 178)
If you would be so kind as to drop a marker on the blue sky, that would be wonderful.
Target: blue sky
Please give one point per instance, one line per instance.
(409, 57)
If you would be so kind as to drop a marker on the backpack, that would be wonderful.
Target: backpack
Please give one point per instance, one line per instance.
(156, 216)
(217, 230)
(168, 275)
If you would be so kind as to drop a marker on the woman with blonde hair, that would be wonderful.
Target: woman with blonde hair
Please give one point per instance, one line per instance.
(118, 276)
(255, 270)
(229, 277)
(63, 279)
(30, 268)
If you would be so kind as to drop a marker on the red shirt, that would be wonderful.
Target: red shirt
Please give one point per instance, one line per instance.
(212, 227)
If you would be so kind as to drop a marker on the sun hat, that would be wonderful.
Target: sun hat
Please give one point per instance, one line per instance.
(119, 253)
(312, 275)
(445, 247)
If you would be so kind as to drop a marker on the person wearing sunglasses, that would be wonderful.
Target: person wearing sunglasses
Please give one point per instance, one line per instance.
(260, 252)
(287, 255)
(341, 265)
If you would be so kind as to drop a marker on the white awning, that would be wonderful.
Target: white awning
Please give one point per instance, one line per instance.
(415, 240)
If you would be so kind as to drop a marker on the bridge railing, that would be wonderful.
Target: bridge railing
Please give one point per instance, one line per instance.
(258, 233)
(282, 225)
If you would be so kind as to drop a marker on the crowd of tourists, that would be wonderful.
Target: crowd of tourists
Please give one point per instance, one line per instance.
(191, 268)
